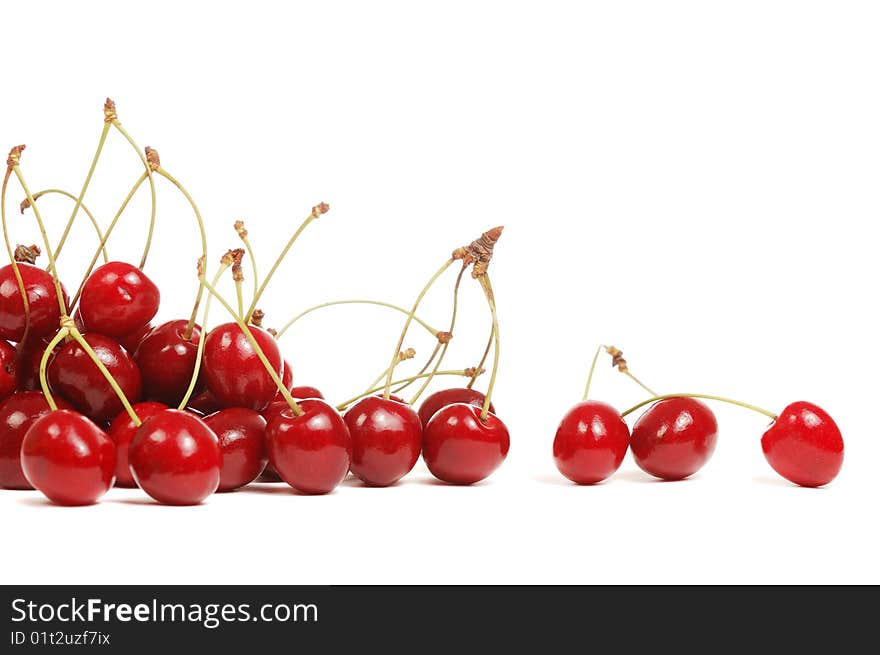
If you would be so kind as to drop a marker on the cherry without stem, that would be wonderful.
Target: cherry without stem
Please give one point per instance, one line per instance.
(166, 358)
(76, 377)
(310, 452)
(804, 445)
(386, 440)
(242, 436)
(233, 370)
(591, 442)
(17, 413)
(68, 458)
(460, 447)
(117, 299)
(121, 432)
(175, 458)
(42, 303)
(674, 438)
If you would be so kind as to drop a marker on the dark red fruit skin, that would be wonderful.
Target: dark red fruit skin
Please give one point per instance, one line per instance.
(279, 404)
(440, 399)
(203, 404)
(590, 442)
(287, 376)
(166, 361)
(122, 431)
(311, 452)
(68, 458)
(8, 369)
(75, 376)
(242, 435)
(17, 413)
(460, 449)
(386, 439)
(674, 438)
(117, 299)
(804, 445)
(233, 370)
(27, 366)
(42, 300)
(175, 458)
(132, 340)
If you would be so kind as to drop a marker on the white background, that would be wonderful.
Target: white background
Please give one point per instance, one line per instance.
(693, 182)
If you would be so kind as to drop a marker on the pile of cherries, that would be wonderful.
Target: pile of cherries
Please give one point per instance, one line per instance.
(676, 436)
(98, 395)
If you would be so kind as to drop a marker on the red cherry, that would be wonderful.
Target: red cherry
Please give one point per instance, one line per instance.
(459, 448)
(75, 376)
(17, 413)
(117, 299)
(674, 438)
(27, 364)
(305, 392)
(440, 399)
(590, 442)
(804, 445)
(311, 452)
(166, 361)
(8, 375)
(269, 474)
(121, 432)
(132, 340)
(42, 301)
(233, 370)
(203, 404)
(175, 458)
(242, 435)
(68, 458)
(386, 439)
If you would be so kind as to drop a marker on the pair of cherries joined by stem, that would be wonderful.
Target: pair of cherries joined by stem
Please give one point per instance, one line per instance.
(677, 435)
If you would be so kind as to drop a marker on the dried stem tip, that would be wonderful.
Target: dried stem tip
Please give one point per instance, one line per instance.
(14, 156)
(273, 332)
(228, 258)
(444, 337)
(617, 359)
(409, 353)
(237, 256)
(319, 209)
(27, 254)
(109, 111)
(152, 158)
(472, 372)
(257, 318)
(479, 252)
(242, 232)
(200, 266)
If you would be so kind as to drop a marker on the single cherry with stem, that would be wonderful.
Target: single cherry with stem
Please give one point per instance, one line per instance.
(68, 458)
(592, 438)
(17, 413)
(121, 432)
(242, 436)
(166, 358)
(175, 458)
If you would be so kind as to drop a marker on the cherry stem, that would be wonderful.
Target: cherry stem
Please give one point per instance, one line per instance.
(253, 259)
(592, 371)
(61, 306)
(134, 188)
(311, 217)
(148, 171)
(82, 194)
(295, 408)
(409, 320)
(44, 363)
(342, 406)
(239, 297)
(424, 368)
(198, 216)
(621, 368)
(444, 346)
(354, 302)
(94, 221)
(200, 349)
(75, 333)
(490, 298)
(470, 384)
(15, 269)
(722, 399)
